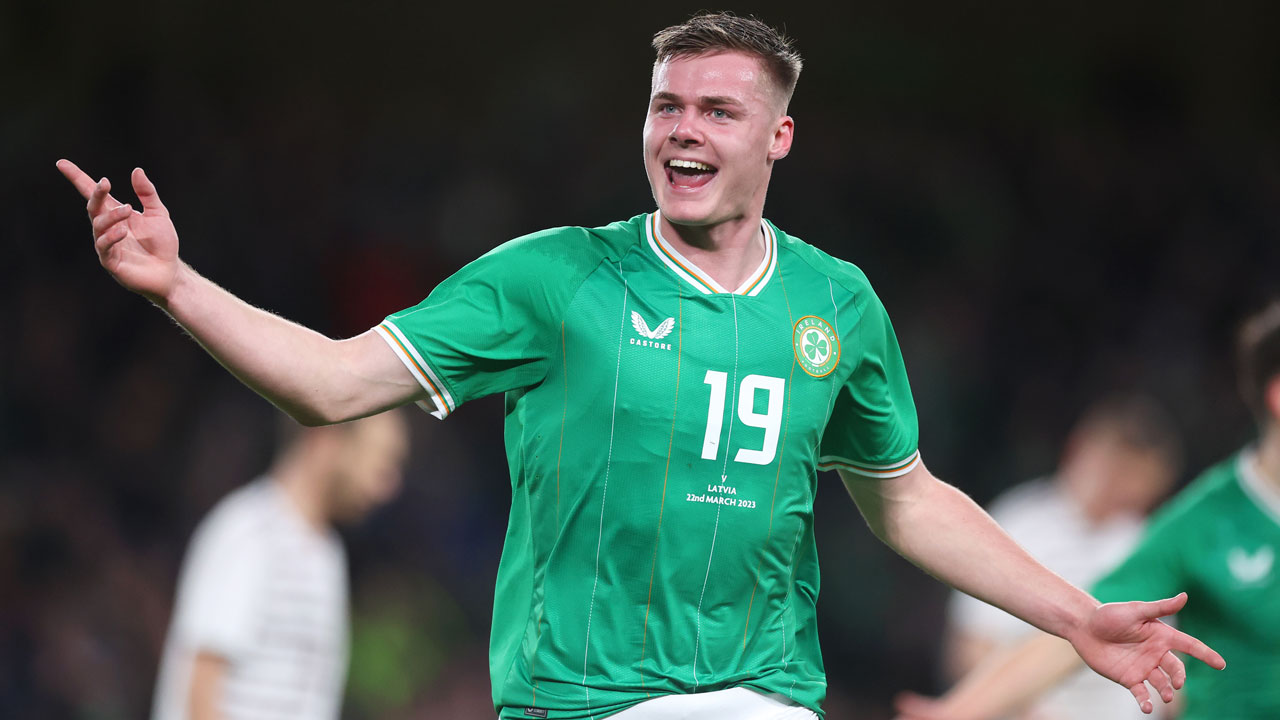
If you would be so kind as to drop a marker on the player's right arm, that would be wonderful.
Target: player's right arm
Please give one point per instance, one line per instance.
(208, 670)
(316, 379)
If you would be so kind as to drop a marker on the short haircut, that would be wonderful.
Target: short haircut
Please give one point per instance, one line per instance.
(1136, 421)
(708, 32)
(1258, 358)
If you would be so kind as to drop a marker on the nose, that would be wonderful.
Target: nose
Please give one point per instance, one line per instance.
(686, 133)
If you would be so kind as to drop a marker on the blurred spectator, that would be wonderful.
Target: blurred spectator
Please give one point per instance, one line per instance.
(260, 627)
(1219, 538)
(1119, 461)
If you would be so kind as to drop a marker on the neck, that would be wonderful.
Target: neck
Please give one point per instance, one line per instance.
(1085, 499)
(727, 251)
(303, 488)
(1269, 455)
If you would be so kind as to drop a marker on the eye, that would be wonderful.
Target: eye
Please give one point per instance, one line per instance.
(720, 114)
(668, 109)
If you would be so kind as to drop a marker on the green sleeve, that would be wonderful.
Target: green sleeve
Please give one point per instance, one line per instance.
(492, 326)
(873, 429)
(1155, 569)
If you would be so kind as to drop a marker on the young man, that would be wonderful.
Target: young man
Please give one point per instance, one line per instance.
(1220, 536)
(673, 384)
(1119, 460)
(260, 622)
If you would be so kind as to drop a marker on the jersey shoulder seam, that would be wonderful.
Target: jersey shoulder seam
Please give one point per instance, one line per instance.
(614, 252)
(842, 272)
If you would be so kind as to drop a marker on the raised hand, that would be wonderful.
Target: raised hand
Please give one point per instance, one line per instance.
(139, 249)
(1127, 643)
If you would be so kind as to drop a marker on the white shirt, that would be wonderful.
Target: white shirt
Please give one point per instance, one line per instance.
(1042, 518)
(268, 592)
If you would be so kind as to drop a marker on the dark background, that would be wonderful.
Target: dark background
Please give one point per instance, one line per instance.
(1053, 199)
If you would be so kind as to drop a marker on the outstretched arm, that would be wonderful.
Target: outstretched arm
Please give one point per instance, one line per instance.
(314, 378)
(941, 530)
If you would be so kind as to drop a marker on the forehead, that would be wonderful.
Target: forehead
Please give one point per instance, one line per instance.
(729, 73)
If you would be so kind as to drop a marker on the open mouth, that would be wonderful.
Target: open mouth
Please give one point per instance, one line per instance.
(689, 174)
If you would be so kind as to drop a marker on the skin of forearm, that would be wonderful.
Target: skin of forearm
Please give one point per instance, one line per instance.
(304, 373)
(1010, 679)
(941, 530)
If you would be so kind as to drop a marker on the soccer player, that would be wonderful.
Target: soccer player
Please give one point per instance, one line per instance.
(1119, 460)
(673, 384)
(260, 626)
(1220, 537)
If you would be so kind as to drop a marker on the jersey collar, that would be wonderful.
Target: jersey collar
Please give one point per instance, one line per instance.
(1262, 493)
(700, 280)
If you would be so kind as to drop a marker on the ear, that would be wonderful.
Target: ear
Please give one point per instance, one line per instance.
(1271, 397)
(782, 135)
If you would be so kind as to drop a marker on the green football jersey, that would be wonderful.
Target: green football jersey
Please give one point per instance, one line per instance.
(1218, 541)
(664, 437)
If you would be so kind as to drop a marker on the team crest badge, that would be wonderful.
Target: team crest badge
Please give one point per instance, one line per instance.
(816, 344)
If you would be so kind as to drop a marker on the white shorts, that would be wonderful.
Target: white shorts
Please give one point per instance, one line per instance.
(735, 703)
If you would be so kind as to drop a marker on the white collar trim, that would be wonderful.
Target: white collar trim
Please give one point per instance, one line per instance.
(698, 278)
(1263, 494)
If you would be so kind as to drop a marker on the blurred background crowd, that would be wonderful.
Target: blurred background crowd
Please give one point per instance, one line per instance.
(1054, 200)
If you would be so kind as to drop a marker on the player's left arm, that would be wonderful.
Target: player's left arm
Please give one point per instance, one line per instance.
(941, 530)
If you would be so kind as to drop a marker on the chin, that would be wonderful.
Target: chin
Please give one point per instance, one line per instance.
(684, 212)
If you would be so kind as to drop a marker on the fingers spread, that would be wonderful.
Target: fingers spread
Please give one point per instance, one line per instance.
(1143, 697)
(83, 183)
(111, 217)
(146, 191)
(1175, 669)
(1166, 607)
(1161, 683)
(109, 238)
(1196, 649)
(98, 197)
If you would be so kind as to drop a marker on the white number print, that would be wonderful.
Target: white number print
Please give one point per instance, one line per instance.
(770, 420)
(715, 414)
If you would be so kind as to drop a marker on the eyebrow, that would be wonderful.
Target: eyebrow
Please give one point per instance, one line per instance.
(704, 100)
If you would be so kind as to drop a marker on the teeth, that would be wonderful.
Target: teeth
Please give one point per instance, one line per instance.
(690, 164)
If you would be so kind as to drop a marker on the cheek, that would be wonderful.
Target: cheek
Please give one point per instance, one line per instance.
(653, 135)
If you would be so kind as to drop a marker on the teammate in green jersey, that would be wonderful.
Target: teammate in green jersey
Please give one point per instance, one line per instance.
(673, 383)
(1219, 538)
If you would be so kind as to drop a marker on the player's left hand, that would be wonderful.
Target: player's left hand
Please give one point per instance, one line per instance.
(1127, 643)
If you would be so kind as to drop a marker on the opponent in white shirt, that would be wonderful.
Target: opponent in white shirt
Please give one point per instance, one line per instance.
(260, 623)
(1121, 458)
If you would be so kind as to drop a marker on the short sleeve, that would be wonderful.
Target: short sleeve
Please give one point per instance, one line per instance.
(221, 586)
(492, 326)
(873, 429)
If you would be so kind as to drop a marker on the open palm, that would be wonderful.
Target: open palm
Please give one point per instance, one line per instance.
(139, 249)
(1127, 643)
